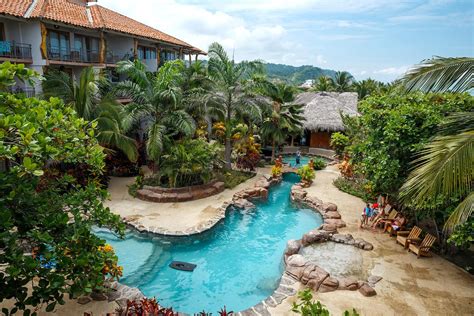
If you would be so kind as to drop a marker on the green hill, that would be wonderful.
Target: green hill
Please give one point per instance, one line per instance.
(296, 75)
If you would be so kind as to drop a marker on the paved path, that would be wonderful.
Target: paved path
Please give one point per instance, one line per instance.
(410, 286)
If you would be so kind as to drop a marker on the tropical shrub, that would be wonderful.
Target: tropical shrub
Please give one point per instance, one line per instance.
(306, 173)
(233, 178)
(276, 171)
(308, 307)
(339, 141)
(248, 153)
(189, 162)
(355, 186)
(392, 129)
(45, 222)
(318, 163)
(463, 235)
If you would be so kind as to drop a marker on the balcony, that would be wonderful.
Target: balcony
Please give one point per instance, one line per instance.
(113, 58)
(73, 55)
(11, 50)
(28, 92)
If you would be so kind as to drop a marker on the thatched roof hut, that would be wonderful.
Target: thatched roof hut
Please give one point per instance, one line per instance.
(322, 109)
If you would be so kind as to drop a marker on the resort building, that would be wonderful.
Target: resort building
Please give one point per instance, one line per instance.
(322, 114)
(73, 34)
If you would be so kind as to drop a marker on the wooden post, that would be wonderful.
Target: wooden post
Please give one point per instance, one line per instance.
(102, 48)
(44, 36)
(135, 48)
(196, 57)
(180, 53)
(158, 57)
(189, 59)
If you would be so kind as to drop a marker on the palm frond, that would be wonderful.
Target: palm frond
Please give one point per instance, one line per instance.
(441, 74)
(154, 143)
(461, 214)
(444, 167)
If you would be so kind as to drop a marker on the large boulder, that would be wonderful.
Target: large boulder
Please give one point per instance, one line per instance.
(348, 283)
(332, 214)
(314, 236)
(243, 204)
(336, 222)
(292, 247)
(329, 207)
(329, 284)
(315, 277)
(295, 266)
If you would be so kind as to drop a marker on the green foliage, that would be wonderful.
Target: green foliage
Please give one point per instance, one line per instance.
(135, 186)
(463, 235)
(45, 221)
(339, 141)
(190, 162)
(356, 187)
(342, 81)
(233, 178)
(9, 73)
(308, 307)
(319, 163)
(158, 99)
(323, 83)
(391, 130)
(306, 173)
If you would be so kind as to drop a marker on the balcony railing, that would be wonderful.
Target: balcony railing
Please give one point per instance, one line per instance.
(113, 58)
(73, 55)
(29, 92)
(12, 49)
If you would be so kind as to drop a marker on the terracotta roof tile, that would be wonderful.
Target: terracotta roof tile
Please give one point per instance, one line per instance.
(14, 7)
(62, 11)
(111, 20)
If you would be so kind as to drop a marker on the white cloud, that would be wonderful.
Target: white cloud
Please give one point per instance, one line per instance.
(320, 60)
(397, 71)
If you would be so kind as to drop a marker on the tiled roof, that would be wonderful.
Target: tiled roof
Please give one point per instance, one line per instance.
(94, 16)
(111, 20)
(62, 11)
(14, 7)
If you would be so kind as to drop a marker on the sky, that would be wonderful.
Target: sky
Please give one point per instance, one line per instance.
(379, 39)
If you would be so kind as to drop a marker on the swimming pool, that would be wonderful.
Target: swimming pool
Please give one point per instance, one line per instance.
(239, 261)
(291, 160)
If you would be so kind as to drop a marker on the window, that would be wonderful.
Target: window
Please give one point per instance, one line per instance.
(146, 53)
(58, 44)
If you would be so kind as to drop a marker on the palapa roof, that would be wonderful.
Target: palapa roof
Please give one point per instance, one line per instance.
(322, 109)
(77, 13)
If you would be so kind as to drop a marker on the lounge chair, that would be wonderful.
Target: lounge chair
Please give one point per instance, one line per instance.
(406, 237)
(396, 225)
(391, 216)
(423, 249)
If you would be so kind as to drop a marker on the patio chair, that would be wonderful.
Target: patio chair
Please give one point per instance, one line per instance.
(406, 237)
(391, 216)
(395, 225)
(423, 249)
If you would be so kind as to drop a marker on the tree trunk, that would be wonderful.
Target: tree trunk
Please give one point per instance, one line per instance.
(273, 149)
(228, 153)
(292, 140)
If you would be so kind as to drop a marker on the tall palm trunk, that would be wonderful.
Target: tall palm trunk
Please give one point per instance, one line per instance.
(273, 149)
(227, 153)
(292, 140)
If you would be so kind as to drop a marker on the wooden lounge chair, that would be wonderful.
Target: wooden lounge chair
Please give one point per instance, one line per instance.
(391, 216)
(405, 237)
(423, 249)
(398, 222)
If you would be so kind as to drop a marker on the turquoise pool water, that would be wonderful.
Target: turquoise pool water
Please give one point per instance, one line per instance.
(292, 160)
(239, 261)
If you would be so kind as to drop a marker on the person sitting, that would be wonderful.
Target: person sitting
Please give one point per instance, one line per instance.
(396, 224)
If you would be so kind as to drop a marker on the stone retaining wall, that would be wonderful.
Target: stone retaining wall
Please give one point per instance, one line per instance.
(191, 193)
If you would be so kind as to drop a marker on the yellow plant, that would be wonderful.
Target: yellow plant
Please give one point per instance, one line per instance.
(276, 171)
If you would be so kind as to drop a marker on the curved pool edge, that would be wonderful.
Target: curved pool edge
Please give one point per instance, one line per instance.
(331, 222)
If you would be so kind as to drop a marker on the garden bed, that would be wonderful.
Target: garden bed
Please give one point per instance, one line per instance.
(189, 193)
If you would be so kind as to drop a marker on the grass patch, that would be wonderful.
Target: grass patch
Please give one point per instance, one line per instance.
(354, 187)
(233, 178)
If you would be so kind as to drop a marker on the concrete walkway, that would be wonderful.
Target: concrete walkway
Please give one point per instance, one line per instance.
(170, 216)
(410, 286)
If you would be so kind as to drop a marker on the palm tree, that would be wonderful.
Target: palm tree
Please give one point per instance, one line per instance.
(157, 103)
(285, 117)
(323, 83)
(445, 165)
(93, 104)
(229, 97)
(342, 81)
(441, 74)
(366, 87)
